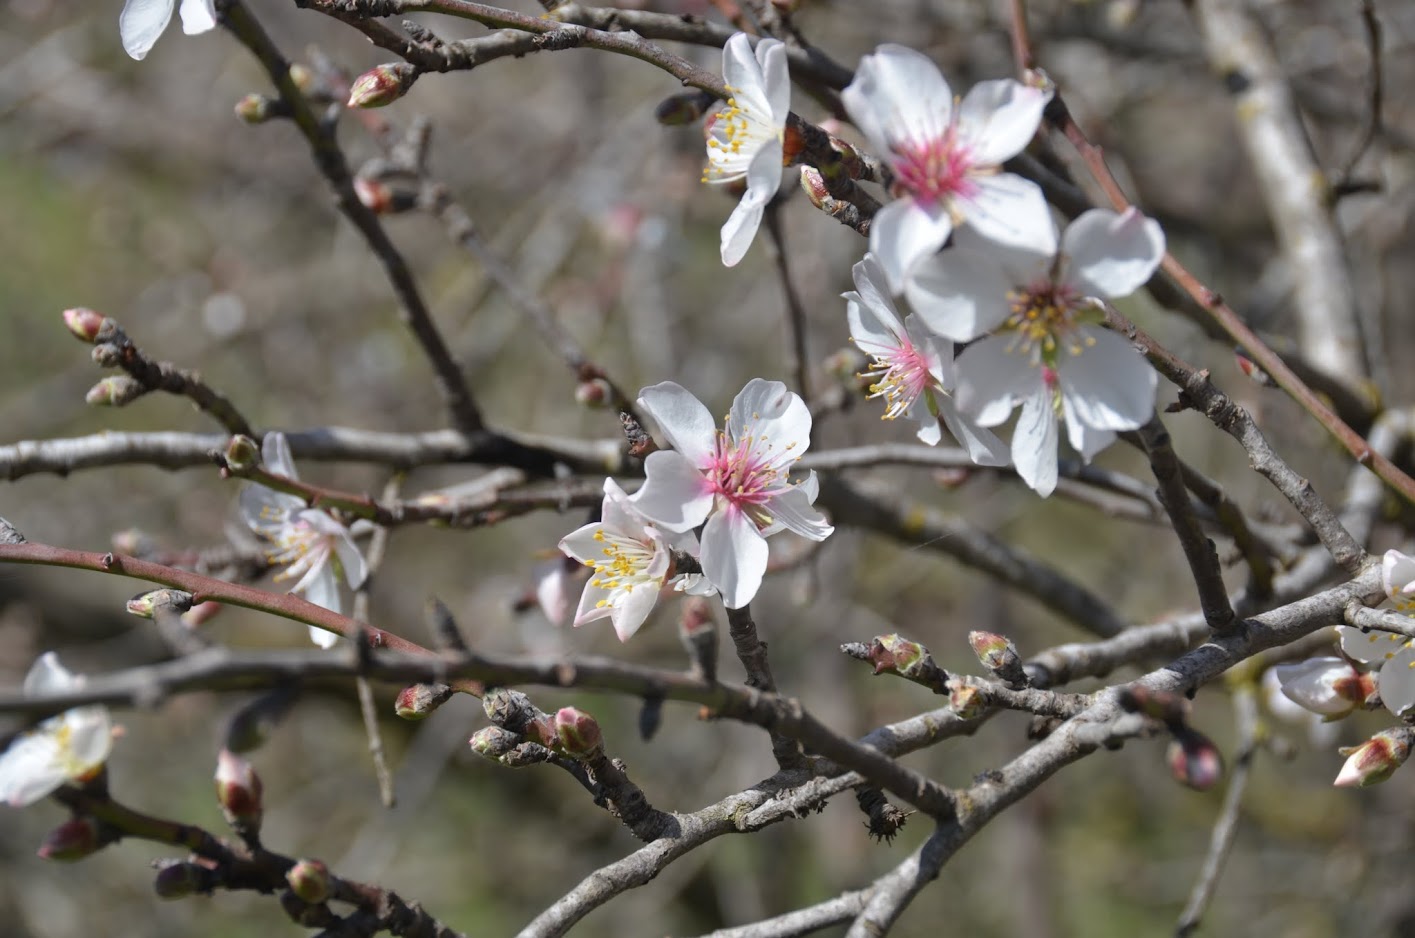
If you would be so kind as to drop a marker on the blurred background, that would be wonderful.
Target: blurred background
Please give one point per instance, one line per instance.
(131, 188)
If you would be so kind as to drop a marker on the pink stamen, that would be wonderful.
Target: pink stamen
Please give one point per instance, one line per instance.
(936, 170)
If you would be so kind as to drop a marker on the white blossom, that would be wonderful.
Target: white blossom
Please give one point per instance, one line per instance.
(745, 137)
(70, 747)
(735, 480)
(945, 156)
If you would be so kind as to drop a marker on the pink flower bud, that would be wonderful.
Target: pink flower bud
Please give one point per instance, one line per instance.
(965, 700)
(238, 791)
(420, 700)
(201, 613)
(593, 393)
(309, 879)
(1375, 760)
(114, 391)
(255, 109)
(382, 85)
(995, 652)
(75, 839)
(1194, 760)
(813, 183)
(899, 655)
(84, 323)
(1251, 369)
(578, 733)
(145, 604)
(1328, 686)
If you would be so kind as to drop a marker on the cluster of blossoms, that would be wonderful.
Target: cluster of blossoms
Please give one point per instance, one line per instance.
(1331, 688)
(732, 485)
(976, 253)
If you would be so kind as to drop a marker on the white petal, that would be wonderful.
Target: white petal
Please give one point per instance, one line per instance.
(763, 181)
(684, 421)
(1109, 385)
(141, 22)
(1397, 681)
(997, 119)
(961, 292)
(902, 232)
(793, 511)
(581, 544)
(742, 71)
(631, 613)
(1034, 444)
(770, 408)
(1109, 255)
(89, 738)
(898, 96)
(320, 587)
(734, 557)
(198, 16)
(275, 454)
(1011, 211)
(594, 604)
(323, 638)
(879, 319)
(992, 380)
(1086, 440)
(1397, 574)
(983, 446)
(1373, 647)
(355, 568)
(930, 433)
(1311, 684)
(30, 768)
(776, 79)
(47, 677)
(552, 582)
(675, 495)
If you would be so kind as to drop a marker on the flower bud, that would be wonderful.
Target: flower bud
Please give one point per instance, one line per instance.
(813, 183)
(1252, 370)
(1194, 760)
(114, 391)
(1164, 706)
(1328, 686)
(145, 604)
(84, 323)
(578, 733)
(594, 393)
(75, 839)
(508, 708)
(201, 613)
(965, 700)
(256, 109)
(178, 880)
(682, 109)
(893, 653)
(381, 198)
(493, 742)
(303, 78)
(242, 454)
(1375, 760)
(382, 85)
(419, 700)
(309, 879)
(238, 791)
(996, 653)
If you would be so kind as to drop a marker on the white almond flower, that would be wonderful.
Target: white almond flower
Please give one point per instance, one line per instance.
(70, 747)
(745, 137)
(1329, 687)
(307, 539)
(1050, 354)
(143, 21)
(913, 369)
(631, 560)
(945, 156)
(1393, 654)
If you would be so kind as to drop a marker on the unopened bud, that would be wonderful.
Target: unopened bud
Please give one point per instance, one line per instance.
(578, 733)
(893, 653)
(178, 880)
(681, 109)
(132, 541)
(382, 85)
(201, 613)
(309, 879)
(1375, 760)
(793, 144)
(257, 109)
(419, 700)
(508, 708)
(84, 323)
(813, 183)
(1252, 370)
(594, 393)
(144, 604)
(382, 198)
(965, 700)
(1194, 760)
(242, 454)
(1169, 708)
(75, 839)
(238, 791)
(114, 391)
(994, 652)
(493, 742)
(304, 78)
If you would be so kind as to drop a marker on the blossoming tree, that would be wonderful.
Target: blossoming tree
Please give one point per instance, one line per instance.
(973, 263)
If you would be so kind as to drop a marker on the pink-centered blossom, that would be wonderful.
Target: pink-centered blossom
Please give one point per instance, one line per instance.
(143, 21)
(744, 139)
(1050, 355)
(911, 368)
(945, 156)
(70, 747)
(631, 562)
(735, 481)
(311, 544)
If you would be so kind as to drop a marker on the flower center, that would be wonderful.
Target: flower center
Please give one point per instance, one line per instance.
(734, 135)
(1044, 319)
(902, 376)
(935, 170)
(625, 564)
(293, 545)
(745, 472)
